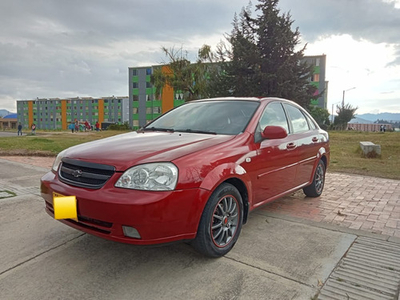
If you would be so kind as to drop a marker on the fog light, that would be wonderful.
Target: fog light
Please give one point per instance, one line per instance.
(131, 232)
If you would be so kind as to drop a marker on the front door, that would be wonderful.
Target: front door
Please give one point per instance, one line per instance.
(274, 166)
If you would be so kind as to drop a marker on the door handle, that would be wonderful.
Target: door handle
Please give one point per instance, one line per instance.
(290, 146)
(315, 139)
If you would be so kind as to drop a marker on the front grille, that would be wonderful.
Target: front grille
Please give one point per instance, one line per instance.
(84, 174)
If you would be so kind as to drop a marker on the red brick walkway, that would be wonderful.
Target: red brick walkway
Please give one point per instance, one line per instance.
(356, 202)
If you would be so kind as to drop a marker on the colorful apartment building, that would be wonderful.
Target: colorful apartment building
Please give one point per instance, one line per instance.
(143, 103)
(58, 113)
(141, 107)
(318, 79)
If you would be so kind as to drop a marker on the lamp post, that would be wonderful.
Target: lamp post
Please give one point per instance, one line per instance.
(344, 91)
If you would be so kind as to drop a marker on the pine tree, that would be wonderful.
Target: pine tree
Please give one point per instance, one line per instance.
(263, 59)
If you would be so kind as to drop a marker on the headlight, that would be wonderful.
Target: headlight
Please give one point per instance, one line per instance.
(57, 161)
(152, 177)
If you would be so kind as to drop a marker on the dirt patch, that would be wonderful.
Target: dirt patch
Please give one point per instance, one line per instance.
(38, 161)
(25, 152)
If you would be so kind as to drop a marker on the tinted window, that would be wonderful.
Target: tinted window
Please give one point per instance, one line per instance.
(274, 115)
(297, 119)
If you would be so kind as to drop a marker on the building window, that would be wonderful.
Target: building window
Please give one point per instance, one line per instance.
(135, 122)
(179, 96)
(148, 85)
(148, 71)
(317, 62)
(157, 110)
(316, 77)
(134, 72)
(135, 98)
(134, 85)
(135, 110)
(148, 110)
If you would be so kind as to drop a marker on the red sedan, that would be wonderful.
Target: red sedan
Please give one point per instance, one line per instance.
(193, 174)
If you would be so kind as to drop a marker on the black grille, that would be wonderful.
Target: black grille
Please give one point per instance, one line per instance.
(85, 174)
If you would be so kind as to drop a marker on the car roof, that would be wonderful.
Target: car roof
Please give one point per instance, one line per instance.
(254, 99)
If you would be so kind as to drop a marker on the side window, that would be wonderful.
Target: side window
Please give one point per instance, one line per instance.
(298, 120)
(274, 115)
(311, 123)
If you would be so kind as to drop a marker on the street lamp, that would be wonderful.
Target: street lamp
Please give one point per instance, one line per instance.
(344, 91)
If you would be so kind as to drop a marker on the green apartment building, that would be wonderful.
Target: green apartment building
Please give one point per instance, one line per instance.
(145, 107)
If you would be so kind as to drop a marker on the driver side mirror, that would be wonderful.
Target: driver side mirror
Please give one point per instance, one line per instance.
(274, 132)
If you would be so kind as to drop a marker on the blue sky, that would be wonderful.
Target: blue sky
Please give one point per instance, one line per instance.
(52, 48)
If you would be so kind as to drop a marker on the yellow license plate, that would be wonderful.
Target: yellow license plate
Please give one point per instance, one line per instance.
(64, 207)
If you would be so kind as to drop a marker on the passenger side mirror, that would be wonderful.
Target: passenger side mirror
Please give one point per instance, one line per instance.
(274, 132)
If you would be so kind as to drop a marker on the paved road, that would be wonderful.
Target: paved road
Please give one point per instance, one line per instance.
(9, 133)
(276, 257)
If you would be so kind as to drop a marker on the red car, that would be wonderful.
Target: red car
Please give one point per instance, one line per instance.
(193, 174)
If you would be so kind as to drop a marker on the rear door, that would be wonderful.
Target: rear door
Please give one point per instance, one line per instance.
(306, 136)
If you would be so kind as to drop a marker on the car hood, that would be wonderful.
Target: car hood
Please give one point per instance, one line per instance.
(126, 150)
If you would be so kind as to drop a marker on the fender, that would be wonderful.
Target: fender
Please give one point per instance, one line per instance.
(321, 153)
(225, 172)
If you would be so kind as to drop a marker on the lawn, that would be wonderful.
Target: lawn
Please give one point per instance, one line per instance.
(346, 154)
(48, 143)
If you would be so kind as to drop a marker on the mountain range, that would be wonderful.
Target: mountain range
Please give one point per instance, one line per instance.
(390, 117)
(4, 112)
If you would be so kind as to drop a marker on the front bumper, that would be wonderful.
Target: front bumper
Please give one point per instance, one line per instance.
(159, 217)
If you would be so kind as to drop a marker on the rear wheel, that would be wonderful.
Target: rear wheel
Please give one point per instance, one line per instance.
(220, 223)
(316, 187)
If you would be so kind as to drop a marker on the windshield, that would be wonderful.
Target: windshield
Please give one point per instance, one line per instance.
(210, 117)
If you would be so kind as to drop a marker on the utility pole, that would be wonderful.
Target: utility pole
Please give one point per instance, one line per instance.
(344, 91)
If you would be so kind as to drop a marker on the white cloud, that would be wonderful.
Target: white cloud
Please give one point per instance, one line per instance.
(360, 64)
(84, 48)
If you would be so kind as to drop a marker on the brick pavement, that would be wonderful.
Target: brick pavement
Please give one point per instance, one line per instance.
(353, 201)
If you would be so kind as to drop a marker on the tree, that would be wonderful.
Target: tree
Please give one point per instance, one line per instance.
(182, 75)
(262, 60)
(344, 115)
(258, 59)
(321, 116)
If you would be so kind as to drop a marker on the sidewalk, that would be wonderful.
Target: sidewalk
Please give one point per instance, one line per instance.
(356, 202)
(353, 201)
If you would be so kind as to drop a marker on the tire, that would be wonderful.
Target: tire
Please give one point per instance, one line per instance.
(317, 186)
(220, 223)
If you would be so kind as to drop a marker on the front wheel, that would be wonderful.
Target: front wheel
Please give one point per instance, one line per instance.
(316, 187)
(220, 223)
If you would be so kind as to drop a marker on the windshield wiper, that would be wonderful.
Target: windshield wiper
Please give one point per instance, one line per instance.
(158, 129)
(197, 131)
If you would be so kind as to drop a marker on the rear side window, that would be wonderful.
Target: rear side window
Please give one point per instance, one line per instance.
(311, 123)
(297, 119)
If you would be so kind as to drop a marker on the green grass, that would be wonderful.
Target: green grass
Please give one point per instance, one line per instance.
(47, 143)
(346, 154)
